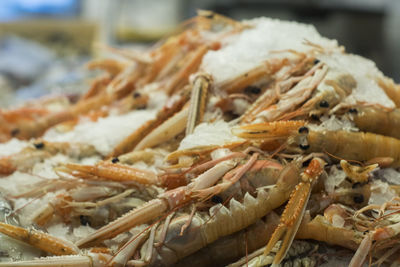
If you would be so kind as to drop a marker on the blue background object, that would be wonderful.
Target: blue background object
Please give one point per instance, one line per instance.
(17, 9)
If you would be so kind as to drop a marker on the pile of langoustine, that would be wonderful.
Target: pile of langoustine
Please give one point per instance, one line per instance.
(187, 153)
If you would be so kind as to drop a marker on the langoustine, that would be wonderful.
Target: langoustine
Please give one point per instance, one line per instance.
(284, 109)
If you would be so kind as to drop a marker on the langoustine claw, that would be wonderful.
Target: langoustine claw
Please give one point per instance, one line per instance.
(88, 260)
(294, 211)
(40, 240)
(156, 207)
(110, 171)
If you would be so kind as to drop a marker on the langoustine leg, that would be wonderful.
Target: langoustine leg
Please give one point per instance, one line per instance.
(223, 221)
(156, 207)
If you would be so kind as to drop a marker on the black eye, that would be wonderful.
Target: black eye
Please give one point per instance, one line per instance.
(316, 61)
(358, 199)
(324, 104)
(252, 90)
(353, 110)
(304, 147)
(216, 199)
(136, 95)
(115, 160)
(251, 152)
(303, 129)
(15, 131)
(39, 145)
(84, 220)
(314, 117)
(306, 163)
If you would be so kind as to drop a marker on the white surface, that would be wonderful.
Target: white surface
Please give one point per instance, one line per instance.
(254, 46)
(206, 134)
(334, 178)
(364, 72)
(380, 193)
(11, 147)
(105, 133)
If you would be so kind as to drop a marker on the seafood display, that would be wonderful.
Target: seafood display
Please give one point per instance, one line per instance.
(247, 143)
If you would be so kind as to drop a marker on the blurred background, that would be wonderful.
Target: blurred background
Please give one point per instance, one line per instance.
(45, 43)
